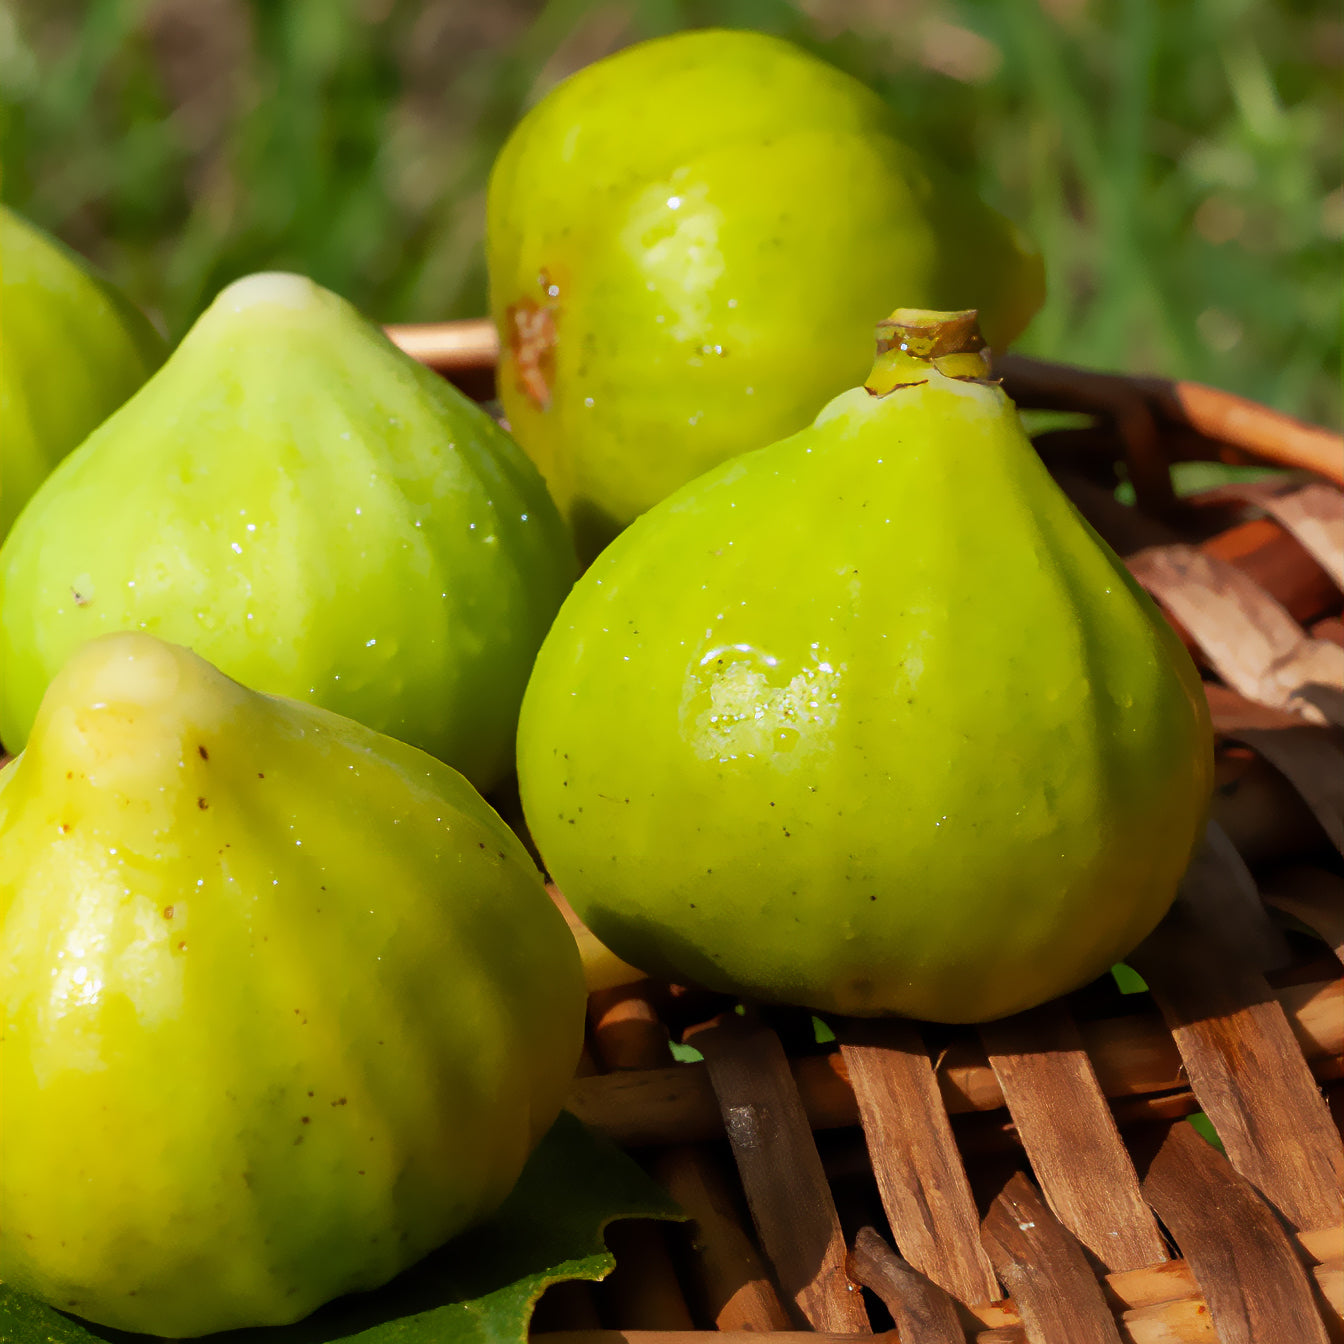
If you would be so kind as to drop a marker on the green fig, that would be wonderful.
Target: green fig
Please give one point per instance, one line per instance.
(285, 1004)
(869, 720)
(684, 240)
(72, 349)
(313, 512)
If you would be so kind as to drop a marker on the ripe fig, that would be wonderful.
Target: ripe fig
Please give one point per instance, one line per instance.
(870, 720)
(285, 1004)
(72, 349)
(313, 512)
(684, 240)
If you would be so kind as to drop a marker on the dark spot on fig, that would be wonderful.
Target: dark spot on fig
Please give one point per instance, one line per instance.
(260, 775)
(80, 599)
(692, 905)
(205, 755)
(359, 1173)
(480, 844)
(501, 853)
(296, 1010)
(202, 804)
(303, 1119)
(181, 947)
(340, 1101)
(167, 912)
(69, 774)
(872, 898)
(65, 828)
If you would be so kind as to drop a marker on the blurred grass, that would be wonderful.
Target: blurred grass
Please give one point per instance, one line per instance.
(1178, 163)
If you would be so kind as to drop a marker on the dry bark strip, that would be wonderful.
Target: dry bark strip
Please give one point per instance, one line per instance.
(1314, 896)
(1044, 1268)
(920, 1176)
(1255, 1285)
(781, 1172)
(1220, 887)
(1245, 1068)
(1247, 636)
(1313, 762)
(1313, 514)
(1061, 1115)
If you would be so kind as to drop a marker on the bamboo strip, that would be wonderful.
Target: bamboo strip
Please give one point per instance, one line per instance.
(782, 1175)
(735, 1283)
(1256, 1286)
(1269, 435)
(1240, 1055)
(1132, 1056)
(921, 1310)
(1060, 1112)
(449, 347)
(920, 1174)
(1044, 1268)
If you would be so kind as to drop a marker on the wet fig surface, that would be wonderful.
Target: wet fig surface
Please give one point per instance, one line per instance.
(684, 244)
(869, 720)
(72, 349)
(313, 512)
(285, 1003)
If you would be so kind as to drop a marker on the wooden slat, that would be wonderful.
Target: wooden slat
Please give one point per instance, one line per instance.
(1246, 635)
(1070, 1136)
(781, 1172)
(920, 1176)
(1312, 760)
(1045, 1270)
(735, 1283)
(1220, 886)
(1314, 896)
(1254, 1283)
(920, 1309)
(1245, 1067)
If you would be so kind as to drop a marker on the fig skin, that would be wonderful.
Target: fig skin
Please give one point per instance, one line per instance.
(286, 1004)
(72, 349)
(684, 242)
(313, 512)
(869, 721)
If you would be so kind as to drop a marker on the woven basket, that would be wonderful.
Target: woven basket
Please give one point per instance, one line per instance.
(1031, 1179)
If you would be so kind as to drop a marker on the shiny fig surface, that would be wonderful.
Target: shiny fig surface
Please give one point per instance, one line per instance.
(72, 349)
(688, 242)
(285, 1004)
(869, 720)
(312, 511)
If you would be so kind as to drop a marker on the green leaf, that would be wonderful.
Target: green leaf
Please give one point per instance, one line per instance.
(479, 1289)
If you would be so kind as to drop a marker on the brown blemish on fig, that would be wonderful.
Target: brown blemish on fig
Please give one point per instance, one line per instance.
(530, 330)
(167, 912)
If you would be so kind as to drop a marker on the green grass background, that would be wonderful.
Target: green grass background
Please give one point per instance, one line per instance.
(1178, 161)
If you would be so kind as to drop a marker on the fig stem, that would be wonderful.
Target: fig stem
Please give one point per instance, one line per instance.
(912, 340)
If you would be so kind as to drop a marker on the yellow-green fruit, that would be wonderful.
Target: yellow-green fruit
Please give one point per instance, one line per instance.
(318, 515)
(869, 720)
(688, 242)
(72, 349)
(285, 1004)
